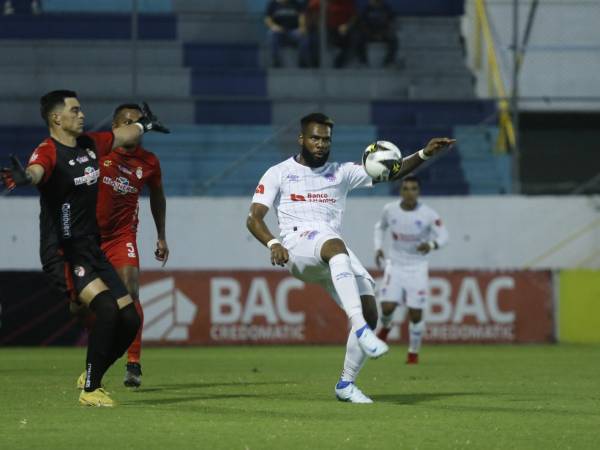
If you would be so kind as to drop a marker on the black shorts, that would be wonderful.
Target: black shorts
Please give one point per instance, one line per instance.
(77, 263)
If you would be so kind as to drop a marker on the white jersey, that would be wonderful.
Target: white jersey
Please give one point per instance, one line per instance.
(309, 198)
(408, 229)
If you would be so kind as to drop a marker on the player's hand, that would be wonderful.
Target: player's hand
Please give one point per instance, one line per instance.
(424, 248)
(436, 145)
(150, 122)
(14, 176)
(379, 258)
(276, 28)
(162, 251)
(279, 255)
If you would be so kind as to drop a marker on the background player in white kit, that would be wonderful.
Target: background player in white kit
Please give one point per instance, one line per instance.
(414, 230)
(309, 196)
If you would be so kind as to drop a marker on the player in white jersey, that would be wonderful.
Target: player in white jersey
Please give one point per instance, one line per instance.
(414, 230)
(308, 195)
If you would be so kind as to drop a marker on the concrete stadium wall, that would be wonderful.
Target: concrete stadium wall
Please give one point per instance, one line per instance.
(486, 233)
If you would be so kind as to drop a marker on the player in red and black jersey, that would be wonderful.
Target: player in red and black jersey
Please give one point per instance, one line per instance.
(64, 167)
(123, 174)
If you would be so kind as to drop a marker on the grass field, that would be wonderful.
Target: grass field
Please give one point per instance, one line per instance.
(529, 397)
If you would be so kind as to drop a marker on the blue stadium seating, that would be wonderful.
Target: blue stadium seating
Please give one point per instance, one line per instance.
(87, 26)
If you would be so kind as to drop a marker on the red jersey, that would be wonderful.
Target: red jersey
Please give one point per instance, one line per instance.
(123, 174)
(339, 12)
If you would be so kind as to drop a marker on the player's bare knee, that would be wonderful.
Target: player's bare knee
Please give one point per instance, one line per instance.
(387, 308)
(369, 307)
(415, 315)
(331, 248)
(133, 288)
(130, 277)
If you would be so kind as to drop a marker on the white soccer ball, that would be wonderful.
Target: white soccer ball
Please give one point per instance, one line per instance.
(381, 160)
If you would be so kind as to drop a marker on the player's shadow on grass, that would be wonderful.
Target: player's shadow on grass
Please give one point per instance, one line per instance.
(186, 386)
(413, 399)
(190, 398)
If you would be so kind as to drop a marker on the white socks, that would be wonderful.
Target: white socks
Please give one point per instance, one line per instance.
(415, 331)
(347, 289)
(355, 358)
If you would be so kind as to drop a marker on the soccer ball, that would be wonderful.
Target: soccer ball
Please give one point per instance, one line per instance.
(382, 160)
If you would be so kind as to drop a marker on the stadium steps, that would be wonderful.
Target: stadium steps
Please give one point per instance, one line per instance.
(108, 54)
(87, 26)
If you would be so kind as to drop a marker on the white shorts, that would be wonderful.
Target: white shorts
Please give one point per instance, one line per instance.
(304, 248)
(405, 284)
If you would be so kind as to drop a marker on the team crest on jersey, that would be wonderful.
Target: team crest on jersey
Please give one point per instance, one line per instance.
(91, 153)
(107, 163)
(139, 173)
(330, 177)
(79, 271)
(71, 162)
(418, 223)
(82, 159)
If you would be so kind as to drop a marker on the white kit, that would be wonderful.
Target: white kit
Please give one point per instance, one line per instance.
(406, 272)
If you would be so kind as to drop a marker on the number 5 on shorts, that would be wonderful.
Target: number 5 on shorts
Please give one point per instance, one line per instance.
(130, 250)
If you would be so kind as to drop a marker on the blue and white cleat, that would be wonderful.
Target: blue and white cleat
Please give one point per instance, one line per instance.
(346, 391)
(370, 343)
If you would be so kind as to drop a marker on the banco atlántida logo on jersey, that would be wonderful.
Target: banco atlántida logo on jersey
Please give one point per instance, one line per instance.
(120, 185)
(90, 176)
(315, 197)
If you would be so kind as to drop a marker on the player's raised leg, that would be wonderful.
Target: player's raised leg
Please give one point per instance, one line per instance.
(335, 254)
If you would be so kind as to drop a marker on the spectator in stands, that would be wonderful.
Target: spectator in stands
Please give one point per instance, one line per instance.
(376, 24)
(9, 6)
(287, 26)
(341, 24)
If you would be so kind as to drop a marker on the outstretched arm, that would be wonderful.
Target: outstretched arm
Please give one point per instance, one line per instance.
(129, 135)
(257, 226)
(433, 147)
(17, 175)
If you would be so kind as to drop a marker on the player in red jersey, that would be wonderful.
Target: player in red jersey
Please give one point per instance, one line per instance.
(123, 174)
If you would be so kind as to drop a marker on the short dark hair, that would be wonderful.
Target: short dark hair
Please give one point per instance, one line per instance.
(51, 100)
(413, 178)
(316, 118)
(123, 106)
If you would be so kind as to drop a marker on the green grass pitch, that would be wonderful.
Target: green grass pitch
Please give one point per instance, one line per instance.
(459, 397)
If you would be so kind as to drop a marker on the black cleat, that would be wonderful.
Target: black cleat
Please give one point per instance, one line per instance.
(133, 375)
